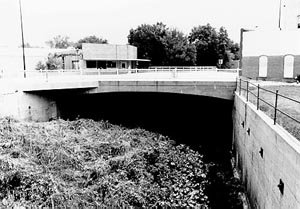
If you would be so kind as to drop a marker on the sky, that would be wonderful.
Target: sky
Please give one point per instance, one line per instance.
(112, 19)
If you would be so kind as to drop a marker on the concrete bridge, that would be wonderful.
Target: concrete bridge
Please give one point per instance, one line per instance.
(33, 98)
(267, 156)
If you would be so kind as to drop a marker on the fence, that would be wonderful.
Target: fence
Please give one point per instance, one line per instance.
(249, 89)
(112, 71)
(191, 68)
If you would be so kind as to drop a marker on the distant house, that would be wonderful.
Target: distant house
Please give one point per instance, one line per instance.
(103, 56)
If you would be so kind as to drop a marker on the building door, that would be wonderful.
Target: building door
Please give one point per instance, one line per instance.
(263, 66)
(123, 65)
(288, 68)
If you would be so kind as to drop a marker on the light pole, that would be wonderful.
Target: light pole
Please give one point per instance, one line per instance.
(242, 42)
(24, 64)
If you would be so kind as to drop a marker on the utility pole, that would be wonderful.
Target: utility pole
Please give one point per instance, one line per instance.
(24, 64)
(279, 23)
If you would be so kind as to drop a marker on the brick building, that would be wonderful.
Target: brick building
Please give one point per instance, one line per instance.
(273, 54)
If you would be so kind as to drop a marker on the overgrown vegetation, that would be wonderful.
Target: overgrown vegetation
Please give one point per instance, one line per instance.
(88, 164)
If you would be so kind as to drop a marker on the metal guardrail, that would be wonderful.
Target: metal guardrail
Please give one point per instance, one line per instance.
(251, 88)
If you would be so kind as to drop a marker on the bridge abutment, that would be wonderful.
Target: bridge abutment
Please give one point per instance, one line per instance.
(28, 106)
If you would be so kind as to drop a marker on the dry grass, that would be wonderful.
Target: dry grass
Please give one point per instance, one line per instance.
(88, 164)
(287, 106)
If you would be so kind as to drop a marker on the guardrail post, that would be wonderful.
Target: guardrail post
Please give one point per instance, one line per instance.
(247, 91)
(240, 90)
(275, 108)
(257, 103)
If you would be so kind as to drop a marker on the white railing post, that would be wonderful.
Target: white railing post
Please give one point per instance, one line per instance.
(46, 75)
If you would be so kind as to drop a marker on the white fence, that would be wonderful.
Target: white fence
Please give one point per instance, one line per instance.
(112, 71)
(191, 68)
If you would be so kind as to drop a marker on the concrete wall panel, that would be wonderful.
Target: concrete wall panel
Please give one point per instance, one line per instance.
(28, 107)
(281, 154)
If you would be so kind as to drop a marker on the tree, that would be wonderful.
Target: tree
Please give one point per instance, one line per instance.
(178, 49)
(163, 46)
(149, 41)
(235, 50)
(52, 63)
(213, 45)
(90, 39)
(40, 65)
(205, 39)
(60, 42)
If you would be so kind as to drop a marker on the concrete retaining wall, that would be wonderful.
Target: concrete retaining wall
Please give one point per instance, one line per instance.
(267, 157)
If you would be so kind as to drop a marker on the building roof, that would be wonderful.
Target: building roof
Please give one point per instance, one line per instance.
(114, 59)
(70, 52)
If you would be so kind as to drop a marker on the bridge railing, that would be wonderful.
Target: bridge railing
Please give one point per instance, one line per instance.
(189, 68)
(273, 103)
(173, 70)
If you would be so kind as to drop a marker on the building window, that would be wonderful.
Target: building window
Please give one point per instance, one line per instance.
(263, 66)
(90, 64)
(111, 64)
(288, 68)
(123, 65)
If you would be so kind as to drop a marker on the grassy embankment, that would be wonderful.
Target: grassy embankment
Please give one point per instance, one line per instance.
(290, 107)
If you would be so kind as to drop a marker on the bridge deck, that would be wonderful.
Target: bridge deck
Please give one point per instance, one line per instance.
(207, 83)
(62, 81)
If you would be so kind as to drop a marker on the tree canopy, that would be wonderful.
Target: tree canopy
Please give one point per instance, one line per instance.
(149, 41)
(162, 45)
(178, 49)
(60, 42)
(90, 39)
(213, 45)
(203, 46)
